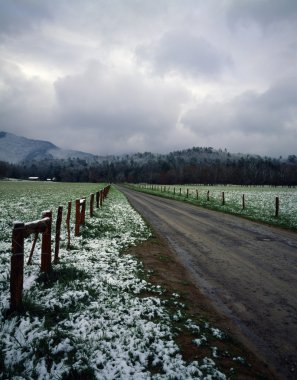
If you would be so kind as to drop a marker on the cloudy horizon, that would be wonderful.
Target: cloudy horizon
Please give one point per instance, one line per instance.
(113, 77)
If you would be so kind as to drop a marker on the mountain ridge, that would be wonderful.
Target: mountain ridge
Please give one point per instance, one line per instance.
(15, 149)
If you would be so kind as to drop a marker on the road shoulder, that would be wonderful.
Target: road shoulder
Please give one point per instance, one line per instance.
(164, 269)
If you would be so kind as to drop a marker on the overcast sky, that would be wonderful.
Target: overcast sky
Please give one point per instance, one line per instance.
(121, 76)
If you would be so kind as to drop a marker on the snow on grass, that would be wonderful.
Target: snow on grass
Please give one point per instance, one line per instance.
(91, 316)
(259, 200)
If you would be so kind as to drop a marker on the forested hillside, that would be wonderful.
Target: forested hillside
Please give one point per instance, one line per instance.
(196, 165)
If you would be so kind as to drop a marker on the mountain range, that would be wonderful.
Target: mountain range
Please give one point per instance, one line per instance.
(21, 158)
(19, 150)
(15, 149)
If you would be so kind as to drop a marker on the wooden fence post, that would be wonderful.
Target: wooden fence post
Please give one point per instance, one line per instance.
(68, 224)
(77, 217)
(32, 249)
(46, 254)
(196, 194)
(180, 190)
(223, 198)
(105, 191)
(187, 193)
(97, 199)
(17, 266)
(92, 196)
(101, 198)
(207, 196)
(58, 233)
(83, 211)
(243, 202)
(276, 207)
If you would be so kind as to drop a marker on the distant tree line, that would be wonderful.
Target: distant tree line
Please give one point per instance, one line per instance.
(196, 165)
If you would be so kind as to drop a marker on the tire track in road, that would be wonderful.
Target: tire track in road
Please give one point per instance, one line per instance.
(247, 270)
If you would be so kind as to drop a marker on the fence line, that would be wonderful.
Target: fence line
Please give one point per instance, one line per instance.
(187, 194)
(43, 226)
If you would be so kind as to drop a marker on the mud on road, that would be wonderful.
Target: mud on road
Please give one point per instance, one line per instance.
(248, 271)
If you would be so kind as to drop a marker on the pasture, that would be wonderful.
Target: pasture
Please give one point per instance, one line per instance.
(96, 314)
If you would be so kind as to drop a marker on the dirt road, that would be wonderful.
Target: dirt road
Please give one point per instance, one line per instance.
(247, 270)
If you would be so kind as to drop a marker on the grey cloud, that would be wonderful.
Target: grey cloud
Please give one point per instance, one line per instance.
(92, 74)
(264, 12)
(17, 16)
(281, 95)
(270, 112)
(266, 121)
(118, 106)
(185, 53)
(26, 105)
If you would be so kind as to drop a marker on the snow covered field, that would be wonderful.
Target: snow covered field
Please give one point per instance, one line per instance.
(96, 316)
(259, 200)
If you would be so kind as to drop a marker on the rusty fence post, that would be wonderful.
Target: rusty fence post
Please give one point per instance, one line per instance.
(58, 233)
(46, 254)
(77, 217)
(276, 207)
(17, 266)
(68, 224)
(92, 197)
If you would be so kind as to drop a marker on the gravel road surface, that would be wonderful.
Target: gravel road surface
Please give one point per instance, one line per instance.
(247, 270)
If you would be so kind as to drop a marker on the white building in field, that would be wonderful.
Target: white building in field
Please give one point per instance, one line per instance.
(33, 178)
